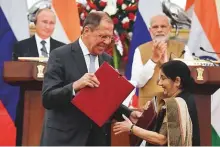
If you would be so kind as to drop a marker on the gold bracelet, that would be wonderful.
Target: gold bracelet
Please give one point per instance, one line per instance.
(131, 129)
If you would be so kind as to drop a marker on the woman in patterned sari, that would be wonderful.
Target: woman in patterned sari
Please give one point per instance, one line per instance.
(173, 126)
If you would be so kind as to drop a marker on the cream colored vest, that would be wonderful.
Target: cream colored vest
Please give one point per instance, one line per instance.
(151, 88)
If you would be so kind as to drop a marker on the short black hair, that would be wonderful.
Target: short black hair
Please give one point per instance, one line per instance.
(176, 68)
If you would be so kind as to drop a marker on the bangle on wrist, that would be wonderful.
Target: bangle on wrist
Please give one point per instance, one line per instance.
(131, 129)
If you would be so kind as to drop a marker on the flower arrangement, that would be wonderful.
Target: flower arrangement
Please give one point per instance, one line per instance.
(123, 15)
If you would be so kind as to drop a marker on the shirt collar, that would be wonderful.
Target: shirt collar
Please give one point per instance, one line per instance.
(85, 50)
(38, 39)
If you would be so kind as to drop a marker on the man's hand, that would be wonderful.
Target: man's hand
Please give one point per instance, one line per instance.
(158, 50)
(164, 57)
(88, 79)
(124, 126)
(135, 115)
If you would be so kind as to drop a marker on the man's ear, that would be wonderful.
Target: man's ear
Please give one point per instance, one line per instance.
(86, 30)
(150, 30)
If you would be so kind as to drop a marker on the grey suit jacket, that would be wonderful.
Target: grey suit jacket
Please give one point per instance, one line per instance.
(64, 124)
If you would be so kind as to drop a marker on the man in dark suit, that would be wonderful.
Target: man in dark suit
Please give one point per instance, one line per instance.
(41, 44)
(70, 68)
(32, 47)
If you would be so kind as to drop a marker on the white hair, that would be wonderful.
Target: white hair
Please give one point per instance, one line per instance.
(160, 14)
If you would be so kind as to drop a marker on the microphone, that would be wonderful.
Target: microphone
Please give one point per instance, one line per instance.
(201, 48)
(182, 53)
(14, 56)
(197, 58)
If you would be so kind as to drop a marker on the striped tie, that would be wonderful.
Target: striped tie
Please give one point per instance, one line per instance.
(44, 50)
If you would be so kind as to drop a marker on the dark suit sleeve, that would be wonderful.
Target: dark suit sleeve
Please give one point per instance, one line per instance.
(16, 52)
(122, 110)
(55, 93)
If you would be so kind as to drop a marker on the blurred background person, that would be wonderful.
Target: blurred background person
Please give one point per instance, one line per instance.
(40, 44)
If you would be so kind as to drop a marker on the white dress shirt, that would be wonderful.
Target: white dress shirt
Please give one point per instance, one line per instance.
(40, 46)
(141, 73)
(86, 55)
(87, 58)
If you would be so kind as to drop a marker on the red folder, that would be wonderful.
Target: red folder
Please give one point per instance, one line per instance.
(100, 103)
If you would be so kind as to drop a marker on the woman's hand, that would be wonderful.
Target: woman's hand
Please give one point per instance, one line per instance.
(124, 126)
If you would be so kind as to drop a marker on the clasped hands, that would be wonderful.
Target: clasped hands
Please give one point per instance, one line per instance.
(159, 52)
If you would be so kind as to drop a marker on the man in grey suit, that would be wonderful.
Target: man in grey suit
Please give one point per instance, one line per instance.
(69, 71)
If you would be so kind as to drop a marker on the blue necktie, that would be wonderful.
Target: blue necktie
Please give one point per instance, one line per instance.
(92, 63)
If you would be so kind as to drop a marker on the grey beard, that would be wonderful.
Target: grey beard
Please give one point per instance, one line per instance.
(161, 38)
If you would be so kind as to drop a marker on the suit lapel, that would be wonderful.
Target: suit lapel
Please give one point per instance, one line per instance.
(33, 51)
(53, 44)
(101, 60)
(79, 57)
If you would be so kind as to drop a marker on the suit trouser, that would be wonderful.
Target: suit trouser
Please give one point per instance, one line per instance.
(99, 136)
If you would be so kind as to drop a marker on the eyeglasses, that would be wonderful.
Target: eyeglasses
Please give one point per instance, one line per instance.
(106, 37)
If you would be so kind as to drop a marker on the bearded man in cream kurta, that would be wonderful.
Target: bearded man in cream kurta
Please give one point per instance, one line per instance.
(149, 56)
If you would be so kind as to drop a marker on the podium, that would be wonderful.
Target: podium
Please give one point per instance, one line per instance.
(28, 75)
(207, 81)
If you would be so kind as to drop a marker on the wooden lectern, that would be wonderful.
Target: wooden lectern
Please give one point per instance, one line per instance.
(29, 76)
(207, 81)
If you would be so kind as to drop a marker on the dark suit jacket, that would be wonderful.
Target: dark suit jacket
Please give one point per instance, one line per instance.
(28, 47)
(65, 124)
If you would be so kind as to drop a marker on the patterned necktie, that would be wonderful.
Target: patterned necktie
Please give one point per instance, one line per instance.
(44, 50)
(92, 63)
